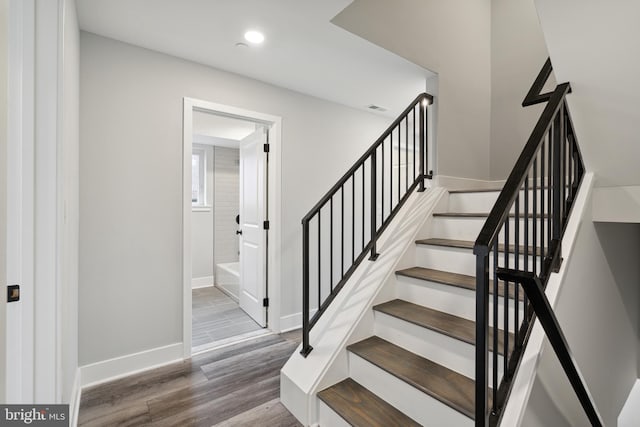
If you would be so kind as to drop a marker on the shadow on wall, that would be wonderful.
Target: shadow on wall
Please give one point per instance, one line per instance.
(619, 243)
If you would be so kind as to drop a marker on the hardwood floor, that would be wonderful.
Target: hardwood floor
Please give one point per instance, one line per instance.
(238, 385)
(216, 319)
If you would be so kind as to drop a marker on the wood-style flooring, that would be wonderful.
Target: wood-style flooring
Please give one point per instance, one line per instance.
(238, 385)
(217, 319)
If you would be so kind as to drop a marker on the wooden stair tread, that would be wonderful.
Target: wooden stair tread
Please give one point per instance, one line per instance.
(481, 215)
(444, 323)
(454, 279)
(468, 244)
(477, 190)
(439, 382)
(359, 407)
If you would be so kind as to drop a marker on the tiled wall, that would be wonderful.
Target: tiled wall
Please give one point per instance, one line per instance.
(227, 203)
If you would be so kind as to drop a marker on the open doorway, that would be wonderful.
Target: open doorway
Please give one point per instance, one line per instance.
(226, 231)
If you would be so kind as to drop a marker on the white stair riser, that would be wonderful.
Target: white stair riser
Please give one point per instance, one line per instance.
(327, 417)
(484, 201)
(451, 299)
(417, 405)
(456, 260)
(442, 349)
(459, 228)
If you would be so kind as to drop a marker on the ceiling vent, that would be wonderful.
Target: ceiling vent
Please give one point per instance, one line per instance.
(376, 107)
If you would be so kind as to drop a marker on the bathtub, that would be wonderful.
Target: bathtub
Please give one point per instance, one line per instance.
(228, 278)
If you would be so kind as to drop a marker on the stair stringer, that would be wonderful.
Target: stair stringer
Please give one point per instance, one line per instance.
(350, 317)
(527, 372)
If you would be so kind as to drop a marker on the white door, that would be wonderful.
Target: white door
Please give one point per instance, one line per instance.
(253, 249)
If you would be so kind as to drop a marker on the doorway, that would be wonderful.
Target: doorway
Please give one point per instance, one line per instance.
(230, 163)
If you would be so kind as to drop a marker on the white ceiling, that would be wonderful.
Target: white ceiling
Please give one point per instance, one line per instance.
(303, 51)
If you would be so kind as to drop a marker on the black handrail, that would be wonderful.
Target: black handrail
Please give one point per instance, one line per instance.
(368, 200)
(547, 176)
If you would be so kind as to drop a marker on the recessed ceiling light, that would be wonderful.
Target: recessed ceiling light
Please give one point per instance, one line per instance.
(255, 37)
(240, 44)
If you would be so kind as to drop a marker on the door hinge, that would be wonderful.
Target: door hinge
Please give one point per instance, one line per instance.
(266, 148)
(265, 302)
(265, 225)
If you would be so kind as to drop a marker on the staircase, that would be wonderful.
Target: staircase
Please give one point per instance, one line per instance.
(418, 368)
(441, 342)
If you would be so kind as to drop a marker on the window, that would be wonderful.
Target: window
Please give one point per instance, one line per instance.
(198, 175)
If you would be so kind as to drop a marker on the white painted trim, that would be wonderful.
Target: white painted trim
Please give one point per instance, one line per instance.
(202, 282)
(293, 321)
(274, 214)
(122, 366)
(20, 88)
(47, 134)
(514, 410)
(455, 183)
(76, 395)
(630, 413)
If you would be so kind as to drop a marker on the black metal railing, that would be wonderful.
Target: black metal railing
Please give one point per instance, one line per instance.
(520, 246)
(346, 223)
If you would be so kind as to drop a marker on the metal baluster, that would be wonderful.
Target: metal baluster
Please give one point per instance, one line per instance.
(542, 199)
(319, 260)
(422, 131)
(526, 239)
(557, 209)
(306, 348)
(563, 167)
(516, 238)
(406, 153)
(535, 216)
(399, 160)
(331, 243)
(363, 211)
(391, 174)
(506, 300)
(342, 230)
(382, 183)
(549, 190)
(571, 158)
(414, 144)
(496, 332)
(374, 203)
(353, 218)
(482, 337)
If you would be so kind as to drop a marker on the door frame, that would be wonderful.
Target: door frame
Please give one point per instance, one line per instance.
(273, 211)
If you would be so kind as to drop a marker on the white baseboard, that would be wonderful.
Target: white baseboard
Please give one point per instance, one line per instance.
(293, 321)
(118, 367)
(456, 183)
(201, 282)
(74, 403)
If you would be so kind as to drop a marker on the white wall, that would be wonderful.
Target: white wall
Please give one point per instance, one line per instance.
(598, 310)
(202, 227)
(131, 172)
(453, 39)
(4, 6)
(518, 51)
(541, 410)
(592, 45)
(227, 204)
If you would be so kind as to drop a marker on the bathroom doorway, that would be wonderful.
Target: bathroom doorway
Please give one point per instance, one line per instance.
(229, 223)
